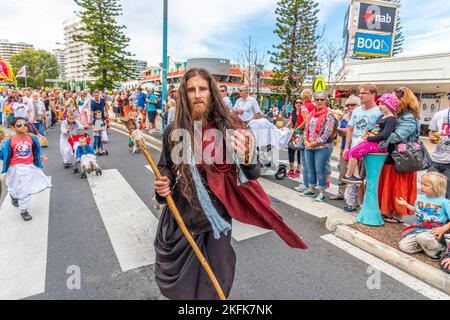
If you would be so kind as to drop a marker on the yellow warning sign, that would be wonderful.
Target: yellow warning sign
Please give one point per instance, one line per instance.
(319, 85)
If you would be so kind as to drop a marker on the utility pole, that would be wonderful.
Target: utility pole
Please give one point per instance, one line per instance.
(165, 58)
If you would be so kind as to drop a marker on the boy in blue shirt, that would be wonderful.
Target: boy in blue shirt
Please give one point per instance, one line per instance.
(87, 158)
(152, 103)
(432, 211)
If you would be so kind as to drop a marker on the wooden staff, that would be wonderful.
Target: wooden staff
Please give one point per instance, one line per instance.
(131, 126)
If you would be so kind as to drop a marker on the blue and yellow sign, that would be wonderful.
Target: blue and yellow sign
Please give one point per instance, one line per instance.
(373, 45)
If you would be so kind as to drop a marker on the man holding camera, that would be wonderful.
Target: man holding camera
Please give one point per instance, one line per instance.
(440, 135)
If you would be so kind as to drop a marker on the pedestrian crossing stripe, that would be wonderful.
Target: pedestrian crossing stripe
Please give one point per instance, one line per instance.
(130, 224)
(240, 231)
(23, 248)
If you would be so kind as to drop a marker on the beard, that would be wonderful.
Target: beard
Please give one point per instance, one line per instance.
(199, 112)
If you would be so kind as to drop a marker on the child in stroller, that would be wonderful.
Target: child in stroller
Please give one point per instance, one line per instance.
(87, 159)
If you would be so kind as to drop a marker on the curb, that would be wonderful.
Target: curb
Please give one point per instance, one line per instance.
(151, 140)
(404, 262)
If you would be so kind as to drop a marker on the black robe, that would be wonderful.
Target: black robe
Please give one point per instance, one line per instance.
(178, 272)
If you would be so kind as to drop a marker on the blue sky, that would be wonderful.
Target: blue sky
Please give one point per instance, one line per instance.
(213, 28)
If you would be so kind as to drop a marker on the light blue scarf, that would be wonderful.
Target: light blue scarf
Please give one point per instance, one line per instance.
(219, 225)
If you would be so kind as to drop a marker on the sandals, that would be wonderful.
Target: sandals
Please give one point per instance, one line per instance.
(392, 220)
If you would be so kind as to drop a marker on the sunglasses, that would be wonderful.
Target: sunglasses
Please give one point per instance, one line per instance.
(20, 125)
(320, 100)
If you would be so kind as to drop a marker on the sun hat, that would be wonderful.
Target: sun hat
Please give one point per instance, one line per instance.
(390, 100)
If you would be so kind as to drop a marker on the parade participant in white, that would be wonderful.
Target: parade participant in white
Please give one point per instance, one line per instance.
(22, 161)
(69, 127)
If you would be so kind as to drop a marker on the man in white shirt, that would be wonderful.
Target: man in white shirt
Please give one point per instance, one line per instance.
(247, 107)
(19, 109)
(440, 135)
(27, 98)
(36, 114)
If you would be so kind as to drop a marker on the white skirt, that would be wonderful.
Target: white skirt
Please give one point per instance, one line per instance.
(25, 180)
(66, 150)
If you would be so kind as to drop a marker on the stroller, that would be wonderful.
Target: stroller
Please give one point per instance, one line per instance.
(73, 141)
(268, 137)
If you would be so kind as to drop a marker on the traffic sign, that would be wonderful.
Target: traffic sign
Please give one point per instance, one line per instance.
(319, 84)
(367, 44)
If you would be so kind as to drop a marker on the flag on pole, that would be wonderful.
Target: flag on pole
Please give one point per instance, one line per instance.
(22, 72)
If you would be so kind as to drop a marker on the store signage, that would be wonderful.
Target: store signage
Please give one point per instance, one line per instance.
(373, 45)
(376, 18)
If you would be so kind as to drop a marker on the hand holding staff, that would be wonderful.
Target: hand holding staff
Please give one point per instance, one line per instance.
(137, 136)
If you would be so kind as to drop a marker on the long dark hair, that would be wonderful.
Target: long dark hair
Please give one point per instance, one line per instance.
(219, 115)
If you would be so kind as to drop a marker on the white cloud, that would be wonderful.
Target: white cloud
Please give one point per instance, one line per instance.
(196, 26)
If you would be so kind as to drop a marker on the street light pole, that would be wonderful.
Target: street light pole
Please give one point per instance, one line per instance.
(165, 57)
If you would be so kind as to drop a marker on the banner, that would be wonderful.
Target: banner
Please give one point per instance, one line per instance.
(22, 72)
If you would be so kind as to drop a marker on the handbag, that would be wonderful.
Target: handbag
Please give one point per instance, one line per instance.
(413, 158)
(297, 141)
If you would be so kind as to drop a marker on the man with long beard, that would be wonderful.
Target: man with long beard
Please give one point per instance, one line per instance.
(223, 186)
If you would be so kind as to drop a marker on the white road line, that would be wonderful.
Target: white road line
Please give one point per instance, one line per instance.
(130, 224)
(240, 231)
(402, 277)
(23, 248)
(148, 144)
(294, 199)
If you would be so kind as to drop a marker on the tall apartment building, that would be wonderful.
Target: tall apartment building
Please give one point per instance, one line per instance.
(59, 54)
(139, 68)
(76, 54)
(8, 49)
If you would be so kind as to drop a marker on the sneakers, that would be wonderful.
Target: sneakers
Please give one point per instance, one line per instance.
(441, 253)
(308, 193)
(299, 189)
(320, 198)
(26, 215)
(14, 202)
(98, 171)
(296, 175)
(290, 174)
(352, 180)
(337, 198)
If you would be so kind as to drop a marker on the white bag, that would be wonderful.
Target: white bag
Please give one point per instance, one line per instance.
(105, 138)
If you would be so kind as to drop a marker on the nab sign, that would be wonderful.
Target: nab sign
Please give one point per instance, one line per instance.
(373, 45)
(376, 18)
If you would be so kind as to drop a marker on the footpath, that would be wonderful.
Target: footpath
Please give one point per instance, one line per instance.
(381, 242)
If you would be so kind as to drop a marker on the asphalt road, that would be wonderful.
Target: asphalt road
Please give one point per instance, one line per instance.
(266, 268)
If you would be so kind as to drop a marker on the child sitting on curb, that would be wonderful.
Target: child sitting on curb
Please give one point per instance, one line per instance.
(432, 211)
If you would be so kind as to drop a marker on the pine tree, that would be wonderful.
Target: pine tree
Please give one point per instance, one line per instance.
(108, 59)
(399, 38)
(295, 57)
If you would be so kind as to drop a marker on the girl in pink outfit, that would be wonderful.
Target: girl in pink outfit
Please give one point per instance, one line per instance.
(370, 140)
(84, 111)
